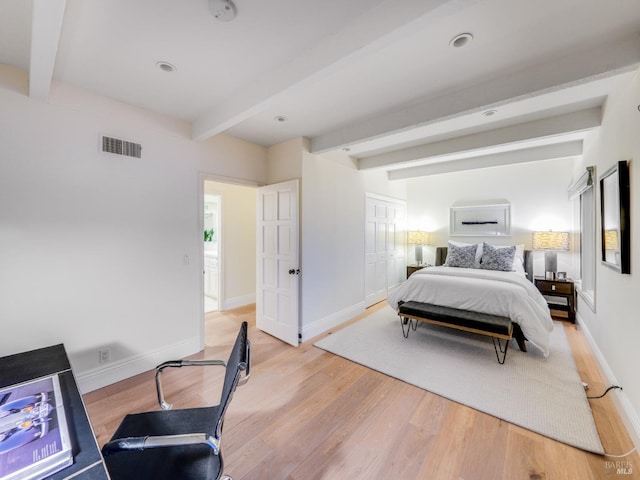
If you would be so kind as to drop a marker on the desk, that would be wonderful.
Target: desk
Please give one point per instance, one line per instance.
(87, 459)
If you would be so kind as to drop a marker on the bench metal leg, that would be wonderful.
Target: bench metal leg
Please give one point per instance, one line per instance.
(408, 324)
(500, 347)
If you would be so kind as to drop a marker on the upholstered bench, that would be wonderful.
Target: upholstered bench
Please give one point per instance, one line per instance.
(494, 326)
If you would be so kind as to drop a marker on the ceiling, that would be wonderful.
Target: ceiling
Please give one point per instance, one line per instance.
(377, 79)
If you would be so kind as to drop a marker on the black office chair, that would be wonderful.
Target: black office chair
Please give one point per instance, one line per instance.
(178, 444)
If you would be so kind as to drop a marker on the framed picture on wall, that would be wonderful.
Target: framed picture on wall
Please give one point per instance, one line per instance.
(480, 219)
(615, 218)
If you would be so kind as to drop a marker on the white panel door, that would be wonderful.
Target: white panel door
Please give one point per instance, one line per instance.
(385, 257)
(278, 271)
(396, 245)
(375, 256)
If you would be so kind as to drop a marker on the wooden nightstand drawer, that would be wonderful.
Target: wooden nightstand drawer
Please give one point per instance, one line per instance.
(560, 295)
(551, 287)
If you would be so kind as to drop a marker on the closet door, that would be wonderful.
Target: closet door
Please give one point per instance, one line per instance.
(385, 258)
(396, 244)
(375, 251)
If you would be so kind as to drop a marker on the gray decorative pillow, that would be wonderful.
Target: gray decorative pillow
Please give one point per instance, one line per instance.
(497, 258)
(464, 257)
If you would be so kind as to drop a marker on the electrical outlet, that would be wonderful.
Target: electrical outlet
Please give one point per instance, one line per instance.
(104, 355)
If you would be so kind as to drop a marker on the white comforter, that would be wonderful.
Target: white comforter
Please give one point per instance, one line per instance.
(508, 294)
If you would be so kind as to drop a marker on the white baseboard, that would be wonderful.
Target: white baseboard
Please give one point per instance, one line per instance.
(237, 302)
(116, 371)
(331, 321)
(627, 413)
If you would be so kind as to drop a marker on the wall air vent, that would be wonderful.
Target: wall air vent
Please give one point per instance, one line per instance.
(121, 147)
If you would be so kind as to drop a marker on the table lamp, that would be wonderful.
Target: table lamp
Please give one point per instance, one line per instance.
(418, 239)
(551, 243)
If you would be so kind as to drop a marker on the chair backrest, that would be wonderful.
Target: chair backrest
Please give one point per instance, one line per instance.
(178, 444)
(239, 362)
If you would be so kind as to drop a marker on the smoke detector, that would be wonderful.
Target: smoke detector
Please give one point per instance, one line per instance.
(223, 10)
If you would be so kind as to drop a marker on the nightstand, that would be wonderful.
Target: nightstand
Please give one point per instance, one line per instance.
(559, 294)
(413, 268)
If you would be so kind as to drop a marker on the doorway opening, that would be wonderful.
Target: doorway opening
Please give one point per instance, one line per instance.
(227, 230)
(211, 237)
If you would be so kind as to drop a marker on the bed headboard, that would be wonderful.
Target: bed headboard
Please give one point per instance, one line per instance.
(441, 256)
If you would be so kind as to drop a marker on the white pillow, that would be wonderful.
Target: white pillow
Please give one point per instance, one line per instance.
(518, 268)
(478, 251)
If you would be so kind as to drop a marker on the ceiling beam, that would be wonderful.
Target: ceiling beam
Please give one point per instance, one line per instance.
(535, 130)
(45, 33)
(371, 32)
(534, 154)
(565, 72)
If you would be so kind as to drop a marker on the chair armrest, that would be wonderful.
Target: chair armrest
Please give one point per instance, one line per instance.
(177, 364)
(143, 443)
(247, 370)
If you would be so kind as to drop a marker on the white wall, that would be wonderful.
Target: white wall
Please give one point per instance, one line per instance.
(238, 243)
(332, 229)
(332, 209)
(284, 161)
(615, 325)
(99, 250)
(332, 281)
(537, 193)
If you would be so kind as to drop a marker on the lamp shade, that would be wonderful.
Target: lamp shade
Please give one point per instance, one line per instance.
(418, 238)
(551, 240)
(611, 240)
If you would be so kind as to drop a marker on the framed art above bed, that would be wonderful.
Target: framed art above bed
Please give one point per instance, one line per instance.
(492, 218)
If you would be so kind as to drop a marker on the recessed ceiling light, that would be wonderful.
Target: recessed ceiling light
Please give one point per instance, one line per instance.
(461, 40)
(489, 113)
(280, 119)
(166, 67)
(346, 149)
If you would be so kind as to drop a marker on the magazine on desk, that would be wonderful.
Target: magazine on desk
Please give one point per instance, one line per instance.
(34, 437)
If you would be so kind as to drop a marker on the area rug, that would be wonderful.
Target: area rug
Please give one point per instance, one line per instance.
(544, 395)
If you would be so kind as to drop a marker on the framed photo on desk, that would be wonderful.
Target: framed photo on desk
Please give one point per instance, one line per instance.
(34, 436)
(25, 367)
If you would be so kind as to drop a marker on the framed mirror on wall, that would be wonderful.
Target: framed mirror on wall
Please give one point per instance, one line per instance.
(615, 218)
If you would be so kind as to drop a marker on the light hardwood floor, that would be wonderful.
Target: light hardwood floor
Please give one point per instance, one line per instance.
(306, 414)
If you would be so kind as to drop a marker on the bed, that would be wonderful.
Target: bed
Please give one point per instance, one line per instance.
(475, 286)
